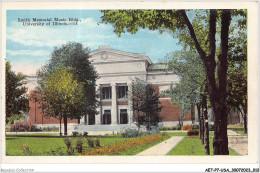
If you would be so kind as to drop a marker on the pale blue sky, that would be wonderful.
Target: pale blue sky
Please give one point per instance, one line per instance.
(29, 47)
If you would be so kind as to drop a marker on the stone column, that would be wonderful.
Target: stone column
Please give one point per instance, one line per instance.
(130, 104)
(98, 116)
(114, 105)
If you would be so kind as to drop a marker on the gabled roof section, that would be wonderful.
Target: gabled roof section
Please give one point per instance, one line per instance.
(106, 54)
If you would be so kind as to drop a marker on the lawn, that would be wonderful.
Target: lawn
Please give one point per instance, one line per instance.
(191, 146)
(176, 133)
(49, 145)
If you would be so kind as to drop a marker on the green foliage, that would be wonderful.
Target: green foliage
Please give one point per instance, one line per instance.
(25, 148)
(97, 142)
(75, 56)
(17, 100)
(68, 142)
(62, 94)
(131, 133)
(79, 145)
(14, 117)
(146, 104)
(132, 20)
(75, 134)
(91, 143)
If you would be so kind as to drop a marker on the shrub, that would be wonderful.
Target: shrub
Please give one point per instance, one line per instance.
(165, 128)
(55, 129)
(79, 145)
(35, 129)
(115, 148)
(178, 127)
(90, 143)
(21, 127)
(67, 141)
(25, 148)
(211, 127)
(75, 134)
(187, 127)
(130, 133)
(155, 130)
(14, 117)
(7, 129)
(193, 133)
(195, 127)
(85, 134)
(174, 128)
(98, 142)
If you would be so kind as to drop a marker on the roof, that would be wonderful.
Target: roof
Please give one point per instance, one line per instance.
(158, 67)
(134, 55)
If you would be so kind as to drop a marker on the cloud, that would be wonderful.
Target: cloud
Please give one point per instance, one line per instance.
(38, 53)
(45, 36)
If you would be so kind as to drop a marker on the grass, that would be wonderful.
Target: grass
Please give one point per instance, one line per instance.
(49, 145)
(191, 146)
(177, 133)
(139, 149)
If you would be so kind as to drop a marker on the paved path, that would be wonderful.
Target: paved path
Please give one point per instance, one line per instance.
(162, 148)
(238, 142)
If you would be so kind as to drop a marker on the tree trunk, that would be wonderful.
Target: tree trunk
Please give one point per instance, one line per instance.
(201, 124)
(217, 89)
(206, 125)
(60, 126)
(78, 120)
(65, 125)
(245, 116)
(192, 114)
(245, 123)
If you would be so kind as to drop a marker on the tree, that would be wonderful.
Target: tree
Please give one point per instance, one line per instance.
(146, 104)
(17, 100)
(237, 75)
(76, 56)
(237, 91)
(63, 95)
(200, 34)
(191, 89)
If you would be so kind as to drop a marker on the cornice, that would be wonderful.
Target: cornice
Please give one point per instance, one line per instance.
(115, 62)
(117, 52)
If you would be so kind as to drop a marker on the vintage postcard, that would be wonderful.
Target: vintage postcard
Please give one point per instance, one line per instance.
(129, 82)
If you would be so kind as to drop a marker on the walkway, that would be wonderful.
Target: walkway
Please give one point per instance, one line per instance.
(162, 148)
(238, 142)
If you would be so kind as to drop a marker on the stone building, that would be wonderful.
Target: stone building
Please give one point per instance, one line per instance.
(116, 70)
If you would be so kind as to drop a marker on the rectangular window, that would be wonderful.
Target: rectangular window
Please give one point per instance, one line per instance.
(106, 93)
(123, 116)
(106, 119)
(122, 92)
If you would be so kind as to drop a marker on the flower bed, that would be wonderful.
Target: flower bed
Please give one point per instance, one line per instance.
(115, 148)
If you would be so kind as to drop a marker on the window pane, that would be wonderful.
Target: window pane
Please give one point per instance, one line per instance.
(122, 91)
(123, 116)
(106, 117)
(106, 93)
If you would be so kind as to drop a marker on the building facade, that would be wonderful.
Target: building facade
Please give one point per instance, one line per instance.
(117, 70)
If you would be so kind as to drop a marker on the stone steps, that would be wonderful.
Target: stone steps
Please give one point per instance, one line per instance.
(103, 128)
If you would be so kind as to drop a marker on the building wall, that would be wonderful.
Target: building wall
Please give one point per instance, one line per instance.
(37, 117)
(117, 68)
